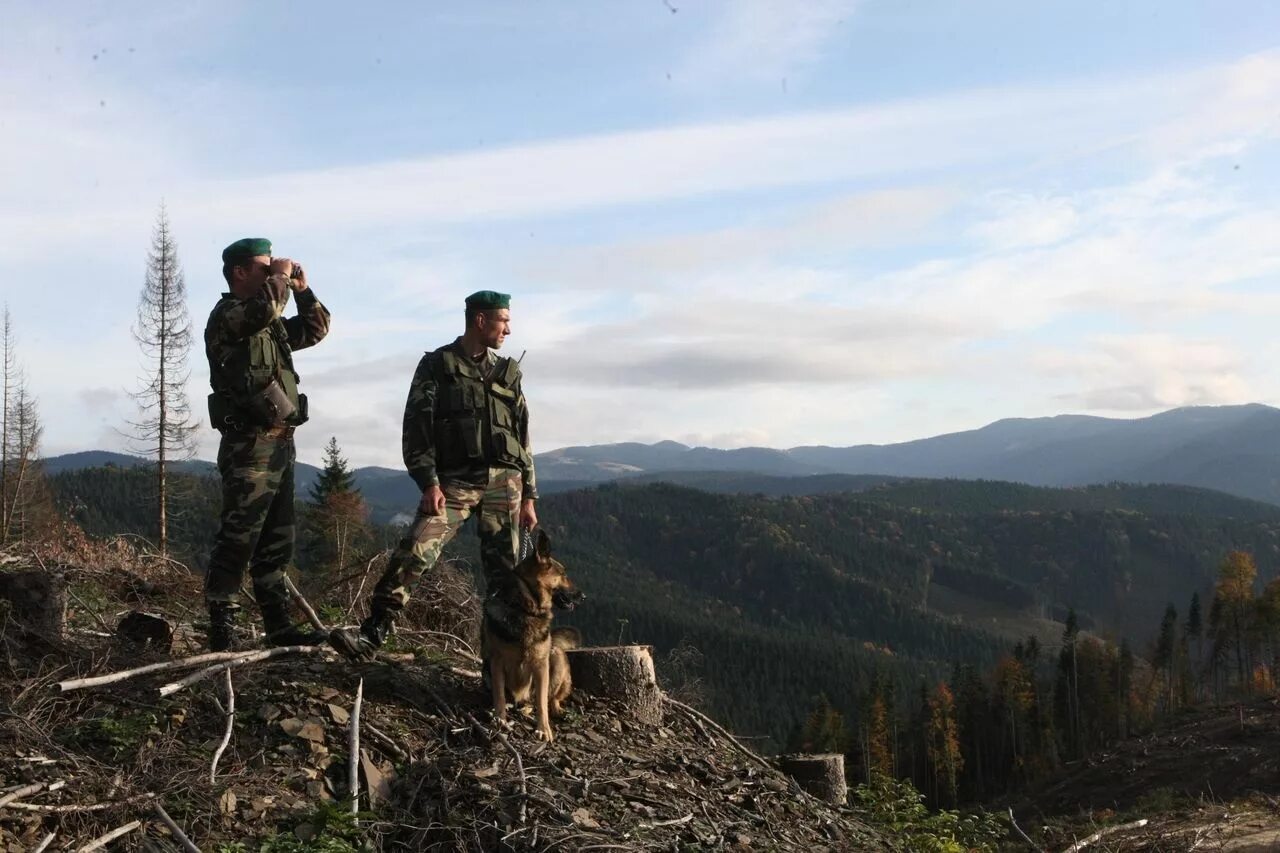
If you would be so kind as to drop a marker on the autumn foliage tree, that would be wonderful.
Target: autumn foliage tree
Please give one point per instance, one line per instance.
(942, 738)
(1231, 616)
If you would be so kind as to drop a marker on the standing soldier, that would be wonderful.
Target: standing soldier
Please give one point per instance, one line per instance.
(466, 445)
(256, 405)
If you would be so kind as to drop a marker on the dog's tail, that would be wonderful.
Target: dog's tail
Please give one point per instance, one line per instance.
(566, 638)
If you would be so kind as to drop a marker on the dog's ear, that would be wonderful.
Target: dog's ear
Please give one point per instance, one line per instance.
(542, 546)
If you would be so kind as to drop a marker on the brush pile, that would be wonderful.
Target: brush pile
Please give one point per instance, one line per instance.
(259, 756)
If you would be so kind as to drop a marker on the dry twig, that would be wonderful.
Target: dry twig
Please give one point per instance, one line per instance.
(103, 840)
(226, 737)
(178, 834)
(122, 675)
(719, 728)
(1025, 837)
(386, 742)
(303, 604)
(1080, 845)
(353, 770)
(45, 842)
(244, 658)
(79, 807)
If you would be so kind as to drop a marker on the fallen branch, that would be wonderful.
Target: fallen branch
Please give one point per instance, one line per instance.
(226, 736)
(524, 781)
(45, 842)
(178, 834)
(719, 728)
(386, 742)
(103, 840)
(77, 807)
(680, 821)
(353, 769)
(113, 677)
(20, 793)
(1080, 845)
(304, 605)
(242, 658)
(470, 653)
(1025, 837)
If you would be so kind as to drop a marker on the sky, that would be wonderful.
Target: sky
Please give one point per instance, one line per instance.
(724, 223)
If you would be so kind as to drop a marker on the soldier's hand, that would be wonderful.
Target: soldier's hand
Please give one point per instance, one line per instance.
(433, 501)
(298, 281)
(528, 515)
(282, 266)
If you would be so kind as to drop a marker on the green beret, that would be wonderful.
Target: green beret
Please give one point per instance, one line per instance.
(242, 250)
(487, 299)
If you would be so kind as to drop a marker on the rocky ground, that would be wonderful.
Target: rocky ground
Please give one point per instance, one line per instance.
(434, 773)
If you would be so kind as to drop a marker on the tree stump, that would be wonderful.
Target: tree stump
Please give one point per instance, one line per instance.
(622, 673)
(820, 775)
(37, 601)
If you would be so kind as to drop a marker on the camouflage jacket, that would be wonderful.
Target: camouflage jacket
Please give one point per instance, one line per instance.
(235, 325)
(465, 416)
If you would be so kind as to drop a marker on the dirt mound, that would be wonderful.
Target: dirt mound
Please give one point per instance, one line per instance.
(434, 773)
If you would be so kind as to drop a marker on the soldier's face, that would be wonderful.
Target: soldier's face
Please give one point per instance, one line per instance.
(250, 276)
(495, 325)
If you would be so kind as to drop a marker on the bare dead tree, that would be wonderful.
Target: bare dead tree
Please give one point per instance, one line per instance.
(166, 429)
(9, 367)
(19, 438)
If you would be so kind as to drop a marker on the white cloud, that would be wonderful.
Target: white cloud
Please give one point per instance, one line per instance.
(760, 40)
(1147, 372)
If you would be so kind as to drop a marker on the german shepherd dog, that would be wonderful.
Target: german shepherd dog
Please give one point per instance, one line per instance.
(527, 661)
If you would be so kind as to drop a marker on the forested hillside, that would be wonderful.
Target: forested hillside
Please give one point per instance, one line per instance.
(773, 601)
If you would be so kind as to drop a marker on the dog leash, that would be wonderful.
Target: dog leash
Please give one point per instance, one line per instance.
(526, 543)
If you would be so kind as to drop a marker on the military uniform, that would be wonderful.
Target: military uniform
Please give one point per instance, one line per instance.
(256, 405)
(466, 430)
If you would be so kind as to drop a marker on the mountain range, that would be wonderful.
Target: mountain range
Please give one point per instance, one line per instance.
(1232, 449)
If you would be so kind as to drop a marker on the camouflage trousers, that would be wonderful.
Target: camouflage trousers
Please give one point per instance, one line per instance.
(497, 510)
(257, 528)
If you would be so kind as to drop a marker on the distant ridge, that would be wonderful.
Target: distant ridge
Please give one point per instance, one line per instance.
(1231, 449)
(1234, 449)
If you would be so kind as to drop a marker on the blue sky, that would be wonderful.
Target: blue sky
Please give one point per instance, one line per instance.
(837, 222)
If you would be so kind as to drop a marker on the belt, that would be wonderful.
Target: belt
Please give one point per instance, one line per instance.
(275, 433)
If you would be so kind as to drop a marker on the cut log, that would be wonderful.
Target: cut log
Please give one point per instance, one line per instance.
(622, 673)
(820, 775)
(37, 601)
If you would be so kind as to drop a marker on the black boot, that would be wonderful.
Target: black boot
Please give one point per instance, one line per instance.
(361, 644)
(222, 625)
(283, 631)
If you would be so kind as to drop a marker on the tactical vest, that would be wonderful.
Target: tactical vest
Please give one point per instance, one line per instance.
(475, 419)
(245, 371)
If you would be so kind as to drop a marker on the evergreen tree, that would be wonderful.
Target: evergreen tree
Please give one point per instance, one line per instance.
(1194, 633)
(166, 430)
(1068, 692)
(335, 477)
(1164, 657)
(336, 520)
(823, 730)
